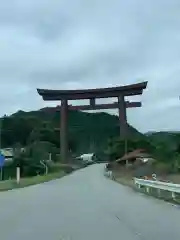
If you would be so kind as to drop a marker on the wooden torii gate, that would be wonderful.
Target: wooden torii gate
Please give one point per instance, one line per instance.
(92, 94)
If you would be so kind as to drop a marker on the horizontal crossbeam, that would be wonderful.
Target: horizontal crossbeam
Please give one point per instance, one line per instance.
(100, 106)
(103, 106)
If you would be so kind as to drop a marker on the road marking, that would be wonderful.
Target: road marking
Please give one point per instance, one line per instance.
(131, 228)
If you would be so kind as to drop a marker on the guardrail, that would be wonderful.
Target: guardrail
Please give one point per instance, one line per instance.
(171, 187)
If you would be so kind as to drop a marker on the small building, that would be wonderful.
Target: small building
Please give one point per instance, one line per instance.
(135, 157)
(139, 161)
(87, 157)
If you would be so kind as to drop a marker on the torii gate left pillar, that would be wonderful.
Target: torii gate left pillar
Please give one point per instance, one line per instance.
(64, 130)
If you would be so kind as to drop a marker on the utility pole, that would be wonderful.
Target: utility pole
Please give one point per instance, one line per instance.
(126, 148)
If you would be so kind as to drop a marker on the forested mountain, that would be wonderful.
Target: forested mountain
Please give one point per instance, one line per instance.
(171, 139)
(87, 131)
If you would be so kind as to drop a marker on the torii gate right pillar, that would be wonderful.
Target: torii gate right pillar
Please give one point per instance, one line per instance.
(122, 117)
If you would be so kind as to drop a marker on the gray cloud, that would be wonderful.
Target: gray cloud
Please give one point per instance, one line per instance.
(89, 44)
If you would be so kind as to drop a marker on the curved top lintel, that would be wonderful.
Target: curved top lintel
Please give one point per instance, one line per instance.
(127, 90)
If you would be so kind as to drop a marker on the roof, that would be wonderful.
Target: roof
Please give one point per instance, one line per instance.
(134, 154)
(128, 90)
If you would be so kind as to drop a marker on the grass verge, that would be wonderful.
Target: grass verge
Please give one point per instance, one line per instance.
(11, 184)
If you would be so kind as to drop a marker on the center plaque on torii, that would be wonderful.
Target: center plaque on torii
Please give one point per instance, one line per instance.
(93, 94)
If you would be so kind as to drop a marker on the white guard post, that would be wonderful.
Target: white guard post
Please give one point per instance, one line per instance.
(18, 175)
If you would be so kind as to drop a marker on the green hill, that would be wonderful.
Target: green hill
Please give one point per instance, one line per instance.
(170, 139)
(87, 131)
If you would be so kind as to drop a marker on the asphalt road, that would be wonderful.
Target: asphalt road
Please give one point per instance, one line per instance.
(85, 206)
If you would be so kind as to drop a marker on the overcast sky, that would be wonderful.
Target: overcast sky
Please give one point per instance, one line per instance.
(69, 44)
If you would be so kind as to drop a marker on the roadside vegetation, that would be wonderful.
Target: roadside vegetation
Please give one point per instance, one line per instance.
(165, 150)
(166, 153)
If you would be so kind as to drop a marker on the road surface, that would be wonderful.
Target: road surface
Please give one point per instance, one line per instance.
(85, 206)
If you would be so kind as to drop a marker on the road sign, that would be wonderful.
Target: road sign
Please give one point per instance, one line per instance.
(2, 160)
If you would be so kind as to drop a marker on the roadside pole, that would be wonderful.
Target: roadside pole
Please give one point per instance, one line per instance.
(18, 175)
(1, 173)
(125, 148)
(45, 166)
(50, 156)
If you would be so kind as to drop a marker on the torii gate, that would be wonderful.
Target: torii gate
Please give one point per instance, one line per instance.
(93, 94)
